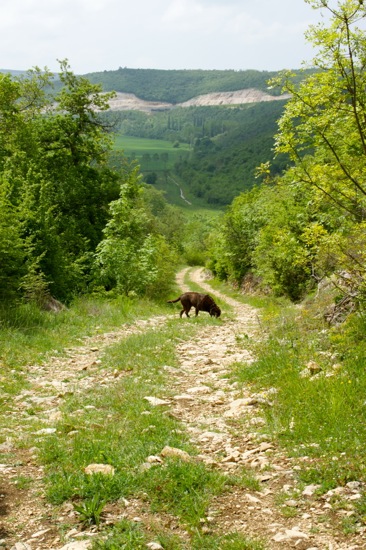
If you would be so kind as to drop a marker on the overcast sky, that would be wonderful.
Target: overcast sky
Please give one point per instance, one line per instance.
(96, 35)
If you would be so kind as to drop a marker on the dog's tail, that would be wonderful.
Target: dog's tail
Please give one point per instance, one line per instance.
(173, 301)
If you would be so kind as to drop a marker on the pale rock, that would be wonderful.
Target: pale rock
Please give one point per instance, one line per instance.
(239, 407)
(71, 533)
(336, 366)
(152, 459)
(252, 499)
(156, 402)
(45, 431)
(199, 389)
(356, 496)
(265, 478)
(105, 469)
(265, 447)
(292, 503)
(249, 453)
(313, 367)
(21, 546)
(354, 485)
(154, 546)
(183, 397)
(310, 490)
(214, 436)
(173, 452)
(257, 421)
(40, 533)
(7, 446)
(290, 534)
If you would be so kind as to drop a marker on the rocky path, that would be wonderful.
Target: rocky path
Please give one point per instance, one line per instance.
(223, 421)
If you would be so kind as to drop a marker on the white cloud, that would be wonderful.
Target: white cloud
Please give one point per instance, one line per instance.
(105, 34)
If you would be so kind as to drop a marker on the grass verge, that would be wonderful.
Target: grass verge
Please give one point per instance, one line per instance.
(316, 377)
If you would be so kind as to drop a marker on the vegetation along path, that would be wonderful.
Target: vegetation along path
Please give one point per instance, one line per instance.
(263, 507)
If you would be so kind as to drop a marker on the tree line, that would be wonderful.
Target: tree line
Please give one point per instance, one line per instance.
(309, 224)
(71, 219)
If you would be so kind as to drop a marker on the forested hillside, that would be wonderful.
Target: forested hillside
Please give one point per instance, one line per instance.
(176, 86)
(63, 207)
(222, 167)
(227, 144)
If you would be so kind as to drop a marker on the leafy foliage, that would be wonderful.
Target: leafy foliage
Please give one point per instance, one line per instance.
(310, 223)
(129, 241)
(56, 185)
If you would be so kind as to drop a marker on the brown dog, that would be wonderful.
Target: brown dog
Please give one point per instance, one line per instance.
(201, 302)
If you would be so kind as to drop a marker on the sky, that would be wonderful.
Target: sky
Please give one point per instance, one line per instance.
(98, 35)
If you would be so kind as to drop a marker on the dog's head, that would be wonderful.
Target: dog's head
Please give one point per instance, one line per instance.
(215, 311)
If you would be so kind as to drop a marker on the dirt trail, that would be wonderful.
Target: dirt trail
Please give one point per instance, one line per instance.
(223, 422)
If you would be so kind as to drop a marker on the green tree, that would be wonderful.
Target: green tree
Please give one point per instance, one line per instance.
(133, 257)
(54, 174)
(323, 128)
(12, 249)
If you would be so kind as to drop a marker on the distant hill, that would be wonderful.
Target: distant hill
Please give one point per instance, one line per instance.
(12, 72)
(228, 117)
(178, 86)
(130, 102)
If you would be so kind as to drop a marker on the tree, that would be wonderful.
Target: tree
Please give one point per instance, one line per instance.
(12, 249)
(323, 128)
(53, 166)
(133, 257)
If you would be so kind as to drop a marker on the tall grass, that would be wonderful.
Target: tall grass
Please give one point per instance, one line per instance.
(319, 414)
(28, 334)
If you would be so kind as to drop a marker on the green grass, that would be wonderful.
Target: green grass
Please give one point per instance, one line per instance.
(231, 541)
(160, 156)
(117, 426)
(148, 152)
(28, 334)
(320, 420)
(321, 416)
